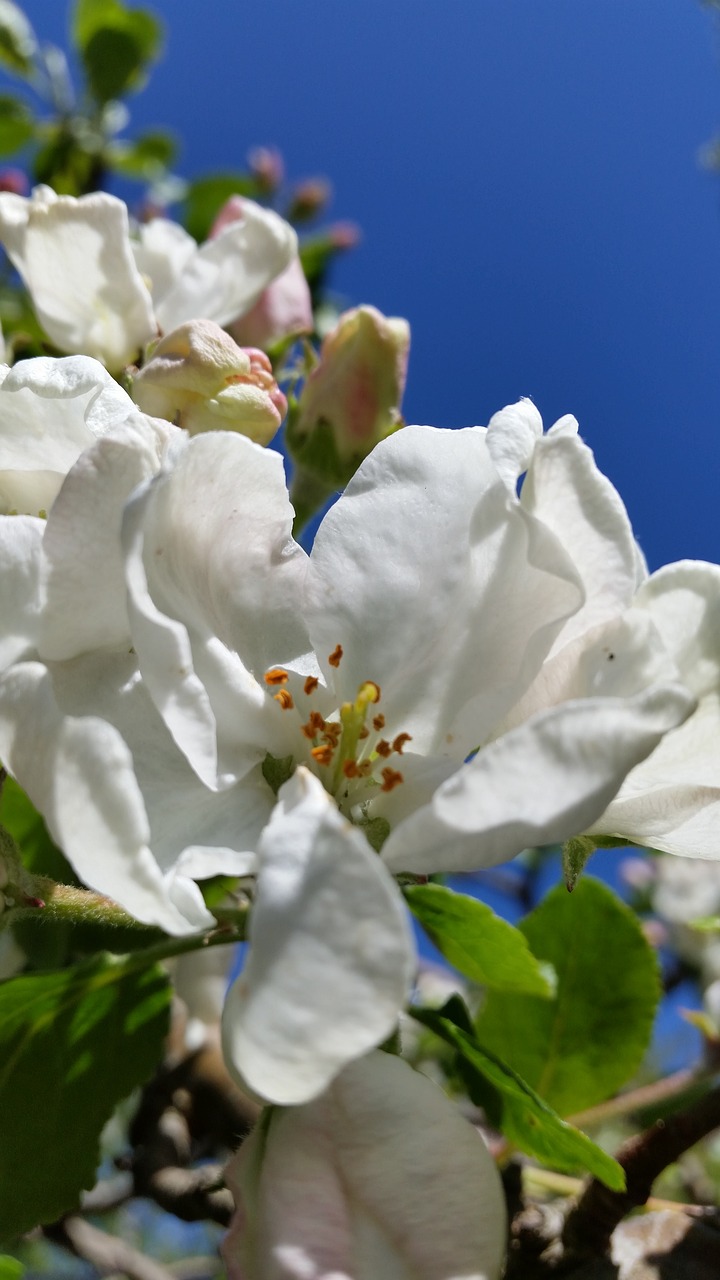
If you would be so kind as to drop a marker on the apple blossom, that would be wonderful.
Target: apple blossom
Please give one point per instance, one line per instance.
(450, 680)
(75, 260)
(200, 379)
(283, 309)
(91, 285)
(378, 1177)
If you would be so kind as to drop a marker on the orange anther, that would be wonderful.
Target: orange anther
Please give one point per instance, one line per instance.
(323, 754)
(364, 769)
(332, 731)
(378, 722)
(383, 748)
(391, 779)
(399, 742)
(364, 732)
(285, 698)
(314, 726)
(350, 769)
(335, 656)
(310, 685)
(276, 675)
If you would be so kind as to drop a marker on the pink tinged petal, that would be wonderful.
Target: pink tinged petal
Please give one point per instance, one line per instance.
(672, 800)
(541, 783)
(331, 955)
(283, 308)
(75, 259)
(565, 489)
(51, 410)
(512, 435)
(415, 588)
(22, 586)
(86, 594)
(78, 772)
(225, 276)
(380, 1177)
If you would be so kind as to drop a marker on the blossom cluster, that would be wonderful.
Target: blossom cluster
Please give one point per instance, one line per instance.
(472, 659)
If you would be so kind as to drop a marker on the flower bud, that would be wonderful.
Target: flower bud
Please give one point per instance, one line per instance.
(267, 167)
(284, 307)
(351, 400)
(201, 380)
(309, 198)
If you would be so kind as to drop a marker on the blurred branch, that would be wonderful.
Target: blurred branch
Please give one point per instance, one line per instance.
(106, 1253)
(592, 1221)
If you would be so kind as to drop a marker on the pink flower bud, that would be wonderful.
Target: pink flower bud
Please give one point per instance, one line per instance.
(308, 199)
(201, 380)
(283, 309)
(14, 180)
(267, 167)
(357, 387)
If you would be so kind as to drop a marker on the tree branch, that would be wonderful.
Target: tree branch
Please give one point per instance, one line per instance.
(108, 1254)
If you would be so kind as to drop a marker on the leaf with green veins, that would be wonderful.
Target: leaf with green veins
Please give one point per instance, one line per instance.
(523, 1117)
(478, 943)
(580, 1047)
(72, 1045)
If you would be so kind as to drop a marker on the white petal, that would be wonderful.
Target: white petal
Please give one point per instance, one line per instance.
(213, 573)
(439, 588)
(565, 489)
(161, 250)
(78, 772)
(331, 954)
(541, 783)
(50, 411)
(511, 438)
(22, 589)
(75, 258)
(672, 800)
(226, 275)
(86, 605)
(379, 1179)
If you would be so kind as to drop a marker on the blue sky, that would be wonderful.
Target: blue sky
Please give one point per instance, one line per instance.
(526, 176)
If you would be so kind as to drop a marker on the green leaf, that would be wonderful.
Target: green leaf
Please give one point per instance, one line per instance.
(116, 45)
(37, 850)
(17, 124)
(478, 943)
(10, 1268)
(146, 157)
(72, 1045)
(206, 197)
(523, 1117)
(17, 38)
(576, 854)
(580, 1047)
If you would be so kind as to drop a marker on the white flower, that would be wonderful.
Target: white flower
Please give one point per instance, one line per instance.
(91, 285)
(50, 411)
(461, 669)
(380, 1178)
(75, 259)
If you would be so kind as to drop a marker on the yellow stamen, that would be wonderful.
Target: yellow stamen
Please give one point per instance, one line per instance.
(284, 697)
(323, 754)
(276, 676)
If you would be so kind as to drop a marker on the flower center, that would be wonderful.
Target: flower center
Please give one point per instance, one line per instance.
(345, 749)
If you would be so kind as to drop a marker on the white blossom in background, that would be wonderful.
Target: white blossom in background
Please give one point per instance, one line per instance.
(458, 679)
(98, 292)
(378, 1177)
